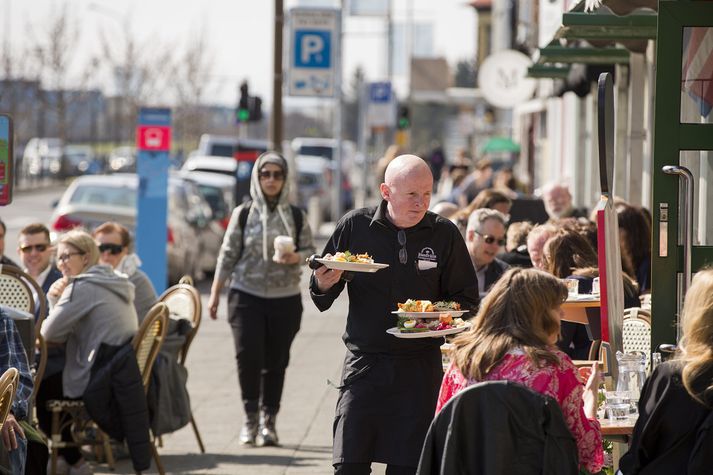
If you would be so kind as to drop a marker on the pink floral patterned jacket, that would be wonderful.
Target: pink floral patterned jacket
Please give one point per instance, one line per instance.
(561, 382)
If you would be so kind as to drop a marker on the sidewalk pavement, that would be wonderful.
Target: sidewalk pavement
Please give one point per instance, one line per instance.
(304, 424)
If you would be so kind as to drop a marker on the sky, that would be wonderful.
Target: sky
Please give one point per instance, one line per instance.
(240, 34)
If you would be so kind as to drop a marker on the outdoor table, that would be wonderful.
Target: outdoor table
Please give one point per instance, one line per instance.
(584, 311)
(620, 433)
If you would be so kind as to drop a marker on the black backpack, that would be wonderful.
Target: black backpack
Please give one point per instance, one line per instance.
(243, 219)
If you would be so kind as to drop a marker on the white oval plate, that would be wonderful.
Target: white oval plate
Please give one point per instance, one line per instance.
(351, 266)
(431, 334)
(453, 313)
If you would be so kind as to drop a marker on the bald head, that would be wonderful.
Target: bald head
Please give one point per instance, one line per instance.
(406, 166)
(407, 188)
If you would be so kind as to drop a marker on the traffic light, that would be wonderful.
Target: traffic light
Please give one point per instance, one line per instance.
(403, 121)
(243, 113)
(255, 109)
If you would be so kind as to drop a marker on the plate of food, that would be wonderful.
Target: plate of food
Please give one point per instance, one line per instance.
(426, 332)
(427, 309)
(351, 262)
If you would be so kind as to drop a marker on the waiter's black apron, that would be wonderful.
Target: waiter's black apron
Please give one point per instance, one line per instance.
(385, 406)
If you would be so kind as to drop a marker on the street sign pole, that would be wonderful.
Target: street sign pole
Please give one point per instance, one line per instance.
(337, 210)
(153, 141)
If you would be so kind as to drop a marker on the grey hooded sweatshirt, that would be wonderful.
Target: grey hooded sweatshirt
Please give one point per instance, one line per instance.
(96, 307)
(256, 273)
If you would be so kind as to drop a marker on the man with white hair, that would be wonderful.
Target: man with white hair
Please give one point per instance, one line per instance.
(485, 238)
(389, 386)
(558, 202)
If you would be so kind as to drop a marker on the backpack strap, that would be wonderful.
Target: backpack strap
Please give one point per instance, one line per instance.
(297, 217)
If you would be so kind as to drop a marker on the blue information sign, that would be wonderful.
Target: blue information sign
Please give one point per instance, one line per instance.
(153, 134)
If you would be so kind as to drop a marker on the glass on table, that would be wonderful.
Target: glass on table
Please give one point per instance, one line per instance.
(572, 287)
(618, 405)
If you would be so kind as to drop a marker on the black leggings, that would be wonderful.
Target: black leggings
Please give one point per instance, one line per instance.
(263, 331)
(51, 389)
(365, 469)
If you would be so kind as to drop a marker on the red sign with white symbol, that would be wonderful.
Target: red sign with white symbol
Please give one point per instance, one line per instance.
(153, 137)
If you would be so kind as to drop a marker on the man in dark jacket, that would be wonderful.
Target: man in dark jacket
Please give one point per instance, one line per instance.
(389, 385)
(485, 237)
(35, 250)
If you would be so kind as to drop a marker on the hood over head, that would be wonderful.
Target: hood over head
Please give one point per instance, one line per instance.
(255, 190)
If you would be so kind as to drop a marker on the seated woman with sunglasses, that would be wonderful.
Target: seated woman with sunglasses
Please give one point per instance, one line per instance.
(89, 306)
(114, 242)
(513, 339)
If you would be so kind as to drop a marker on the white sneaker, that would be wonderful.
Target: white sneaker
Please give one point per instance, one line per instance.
(62, 466)
(81, 468)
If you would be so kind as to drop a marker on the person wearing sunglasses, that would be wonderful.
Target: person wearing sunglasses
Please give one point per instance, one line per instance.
(36, 251)
(485, 238)
(90, 305)
(114, 241)
(264, 302)
(389, 385)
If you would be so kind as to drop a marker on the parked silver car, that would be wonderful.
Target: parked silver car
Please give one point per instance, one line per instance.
(91, 200)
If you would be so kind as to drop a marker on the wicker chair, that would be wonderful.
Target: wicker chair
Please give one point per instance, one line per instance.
(147, 344)
(636, 332)
(16, 288)
(8, 386)
(184, 302)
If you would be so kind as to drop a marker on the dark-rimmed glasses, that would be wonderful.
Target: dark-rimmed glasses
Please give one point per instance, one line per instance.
(275, 175)
(403, 254)
(37, 247)
(491, 239)
(67, 255)
(112, 248)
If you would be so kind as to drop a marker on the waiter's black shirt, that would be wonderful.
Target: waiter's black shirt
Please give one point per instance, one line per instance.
(438, 268)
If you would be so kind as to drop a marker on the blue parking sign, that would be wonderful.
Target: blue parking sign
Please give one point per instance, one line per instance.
(313, 49)
(380, 92)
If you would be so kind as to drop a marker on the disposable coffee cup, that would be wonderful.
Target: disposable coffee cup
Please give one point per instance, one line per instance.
(283, 245)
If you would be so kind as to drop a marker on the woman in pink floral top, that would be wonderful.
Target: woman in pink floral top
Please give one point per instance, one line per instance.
(513, 339)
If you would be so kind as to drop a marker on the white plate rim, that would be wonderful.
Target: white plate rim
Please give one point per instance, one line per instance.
(351, 266)
(429, 334)
(453, 313)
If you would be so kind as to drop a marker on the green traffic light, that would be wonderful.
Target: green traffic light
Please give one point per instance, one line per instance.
(403, 123)
(243, 115)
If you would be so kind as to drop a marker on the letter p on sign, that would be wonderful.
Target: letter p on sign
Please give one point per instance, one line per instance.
(313, 49)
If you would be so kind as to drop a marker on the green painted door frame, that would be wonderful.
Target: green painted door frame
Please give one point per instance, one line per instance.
(670, 138)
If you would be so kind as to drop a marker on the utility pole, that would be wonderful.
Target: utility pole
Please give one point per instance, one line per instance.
(337, 159)
(276, 118)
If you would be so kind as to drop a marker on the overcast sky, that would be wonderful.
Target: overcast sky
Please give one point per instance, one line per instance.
(240, 33)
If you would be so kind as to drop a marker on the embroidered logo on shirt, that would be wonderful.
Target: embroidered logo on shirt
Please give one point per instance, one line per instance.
(427, 259)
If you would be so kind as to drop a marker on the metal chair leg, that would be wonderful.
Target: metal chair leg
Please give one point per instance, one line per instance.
(108, 453)
(198, 435)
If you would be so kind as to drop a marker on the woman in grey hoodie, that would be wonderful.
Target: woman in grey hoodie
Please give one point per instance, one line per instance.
(89, 305)
(264, 303)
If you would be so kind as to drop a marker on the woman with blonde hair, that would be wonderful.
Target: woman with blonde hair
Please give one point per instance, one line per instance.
(89, 305)
(513, 338)
(673, 432)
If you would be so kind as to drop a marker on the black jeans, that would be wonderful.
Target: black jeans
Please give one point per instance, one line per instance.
(263, 331)
(50, 389)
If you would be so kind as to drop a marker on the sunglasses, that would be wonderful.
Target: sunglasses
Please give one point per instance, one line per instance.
(113, 249)
(403, 255)
(491, 239)
(276, 175)
(67, 255)
(36, 247)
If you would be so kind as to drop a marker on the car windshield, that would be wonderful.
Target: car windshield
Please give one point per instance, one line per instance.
(222, 150)
(317, 151)
(104, 195)
(214, 196)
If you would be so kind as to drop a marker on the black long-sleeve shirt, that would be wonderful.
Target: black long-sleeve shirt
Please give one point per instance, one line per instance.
(438, 267)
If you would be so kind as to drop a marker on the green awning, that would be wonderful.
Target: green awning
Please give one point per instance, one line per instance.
(555, 53)
(548, 71)
(500, 144)
(607, 26)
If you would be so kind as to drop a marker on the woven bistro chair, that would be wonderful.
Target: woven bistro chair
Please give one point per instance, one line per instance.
(636, 332)
(184, 302)
(8, 386)
(147, 344)
(16, 289)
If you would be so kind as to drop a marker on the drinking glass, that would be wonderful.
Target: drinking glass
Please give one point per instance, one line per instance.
(572, 288)
(618, 404)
